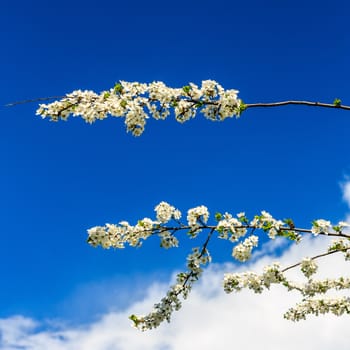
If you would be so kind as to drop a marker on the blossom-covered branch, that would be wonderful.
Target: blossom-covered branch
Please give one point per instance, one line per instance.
(136, 102)
(243, 234)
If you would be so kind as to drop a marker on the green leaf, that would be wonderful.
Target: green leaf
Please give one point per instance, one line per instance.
(199, 104)
(186, 89)
(135, 319)
(242, 107)
(123, 103)
(243, 220)
(218, 216)
(337, 102)
(220, 229)
(336, 228)
(290, 235)
(118, 88)
(267, 226)
(106, 95)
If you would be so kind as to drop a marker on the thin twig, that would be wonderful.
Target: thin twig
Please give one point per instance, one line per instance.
(317, 257)
(305, 103)
(34, 100)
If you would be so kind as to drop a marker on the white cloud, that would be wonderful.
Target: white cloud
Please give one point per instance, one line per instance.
(346, 192)
(346, 196)
(209, 319)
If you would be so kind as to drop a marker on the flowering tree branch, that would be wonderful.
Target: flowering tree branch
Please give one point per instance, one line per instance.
(136, 102)
(242, 233)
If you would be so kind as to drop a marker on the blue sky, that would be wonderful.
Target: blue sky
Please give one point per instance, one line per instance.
(59, 179)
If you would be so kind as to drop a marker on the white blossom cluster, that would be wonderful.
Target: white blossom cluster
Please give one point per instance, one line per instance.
(313, 287)
(196, 260)
(231, 228)
(168, 240)
(267, 223)
(162, 311)
(197, 217)
(243, 251)
(116, 236)
(321, 226)
(341, 245)
(234, 282)
(171, 302)
(136, 101)
(308, 267)
(165, 212)
(273, 274)
(337, 306)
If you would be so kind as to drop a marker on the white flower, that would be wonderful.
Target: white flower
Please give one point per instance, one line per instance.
(165, 212)
(243, 251)
(308, 267)
(230, 225)
(197, 215)
(168, 240)
(320, 226)
(232, 282)
(272, 274)
(177, 214)
(98, 236)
